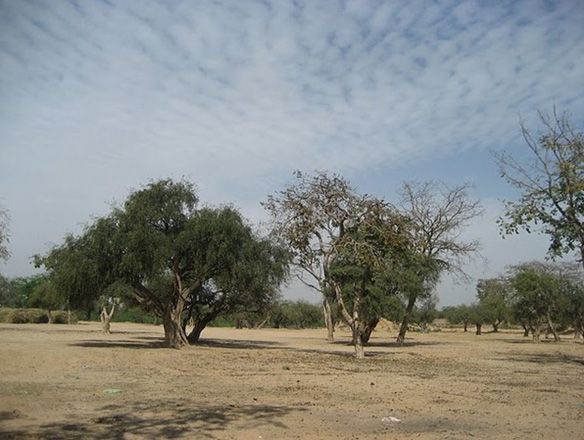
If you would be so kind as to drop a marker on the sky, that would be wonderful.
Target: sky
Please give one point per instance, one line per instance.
(97, 98)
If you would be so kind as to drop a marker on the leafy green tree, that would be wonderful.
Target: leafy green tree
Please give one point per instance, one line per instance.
(551, 183)
(363, 270)
(46, 296)
(239, 272)
(296, 314)
(4, 234)
(20, 290)
(461, 314)
(173, 259)
(538, 301)
(493, 295)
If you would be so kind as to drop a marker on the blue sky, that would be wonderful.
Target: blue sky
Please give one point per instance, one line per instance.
(98, 97)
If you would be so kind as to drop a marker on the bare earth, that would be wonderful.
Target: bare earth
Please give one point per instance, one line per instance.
(73, 382)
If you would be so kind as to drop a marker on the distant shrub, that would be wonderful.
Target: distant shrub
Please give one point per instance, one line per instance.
(62, 317)
(34, 316)
(133, 314)
(28, 316)
(5, 313)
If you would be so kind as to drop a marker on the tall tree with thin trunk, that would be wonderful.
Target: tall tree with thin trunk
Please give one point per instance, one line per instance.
(310, 216)
(551, 183)
(439, 214)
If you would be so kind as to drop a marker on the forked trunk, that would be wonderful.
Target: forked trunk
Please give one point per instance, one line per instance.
(328, 319)
(403, 329)
(525, 330)
(106, 319)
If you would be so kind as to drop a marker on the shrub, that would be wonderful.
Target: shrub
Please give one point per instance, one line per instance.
(5, 313)
(28, 316)
(62, 317)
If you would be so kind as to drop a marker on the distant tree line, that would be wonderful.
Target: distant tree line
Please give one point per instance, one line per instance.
(539, 297)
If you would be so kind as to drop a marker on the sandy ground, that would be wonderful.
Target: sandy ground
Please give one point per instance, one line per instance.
(73, 382)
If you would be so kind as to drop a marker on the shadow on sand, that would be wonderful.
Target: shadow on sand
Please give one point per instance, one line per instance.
(158, 419)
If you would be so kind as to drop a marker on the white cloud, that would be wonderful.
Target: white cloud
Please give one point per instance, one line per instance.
(96, 98)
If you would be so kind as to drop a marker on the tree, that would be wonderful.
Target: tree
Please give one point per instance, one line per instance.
(551, 183)
(439, 214)
(538, 299)
(4, 234)
(374, 245)
(477, 316)
(309, 217)
(493, 295)
(172, 258)
(238, 271)
(46, 296)
(461, 314)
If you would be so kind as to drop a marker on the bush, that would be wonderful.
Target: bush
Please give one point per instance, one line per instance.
(34, 316)
(28, 316)
(133, 314)
(62, 317)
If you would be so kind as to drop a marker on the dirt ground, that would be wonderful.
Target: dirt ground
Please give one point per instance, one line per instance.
(72, 382)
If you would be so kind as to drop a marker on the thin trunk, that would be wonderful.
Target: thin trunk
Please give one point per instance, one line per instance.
(465, 326)
(50, 313)
(552, 328)
(356, 327)
(479, 330)
(525, 330)
(401, 337)
(496, 327)
(261, 324)
(328, 319)
(106, 318)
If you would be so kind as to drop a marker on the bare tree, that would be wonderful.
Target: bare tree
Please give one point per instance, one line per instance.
(439, 214)
(551, 183)
(310, 216)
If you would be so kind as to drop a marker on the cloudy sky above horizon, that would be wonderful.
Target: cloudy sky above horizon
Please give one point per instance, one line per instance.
(99, 97)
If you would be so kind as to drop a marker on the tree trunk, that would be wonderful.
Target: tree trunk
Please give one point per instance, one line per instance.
(50, 313)
(328, 319)
(525, 330)
(106, 318)
(536, 332)
(356, 328)
(552, 328)
(401, 337)
(174, 335)
(198, 328)
(465, 326)
(367, 329)
(479, 331)
(496, 327)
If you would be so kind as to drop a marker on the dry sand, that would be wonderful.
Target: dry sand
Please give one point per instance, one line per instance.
(73, 382)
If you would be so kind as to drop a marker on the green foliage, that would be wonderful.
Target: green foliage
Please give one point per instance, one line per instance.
(296, 314)
(551, 184)
(134, 314)
(64, 317)
(17, 291)
(494, 296)
(27, 316)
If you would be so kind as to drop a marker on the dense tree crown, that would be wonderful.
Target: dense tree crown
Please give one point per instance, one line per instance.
(179, 262)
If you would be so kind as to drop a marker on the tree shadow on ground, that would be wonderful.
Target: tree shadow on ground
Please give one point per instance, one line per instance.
(155, 343)
(156, 419)
(390, 344)
(545, 358)
(238, 343)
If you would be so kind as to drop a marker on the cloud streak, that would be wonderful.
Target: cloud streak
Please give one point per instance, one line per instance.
(235, 95)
